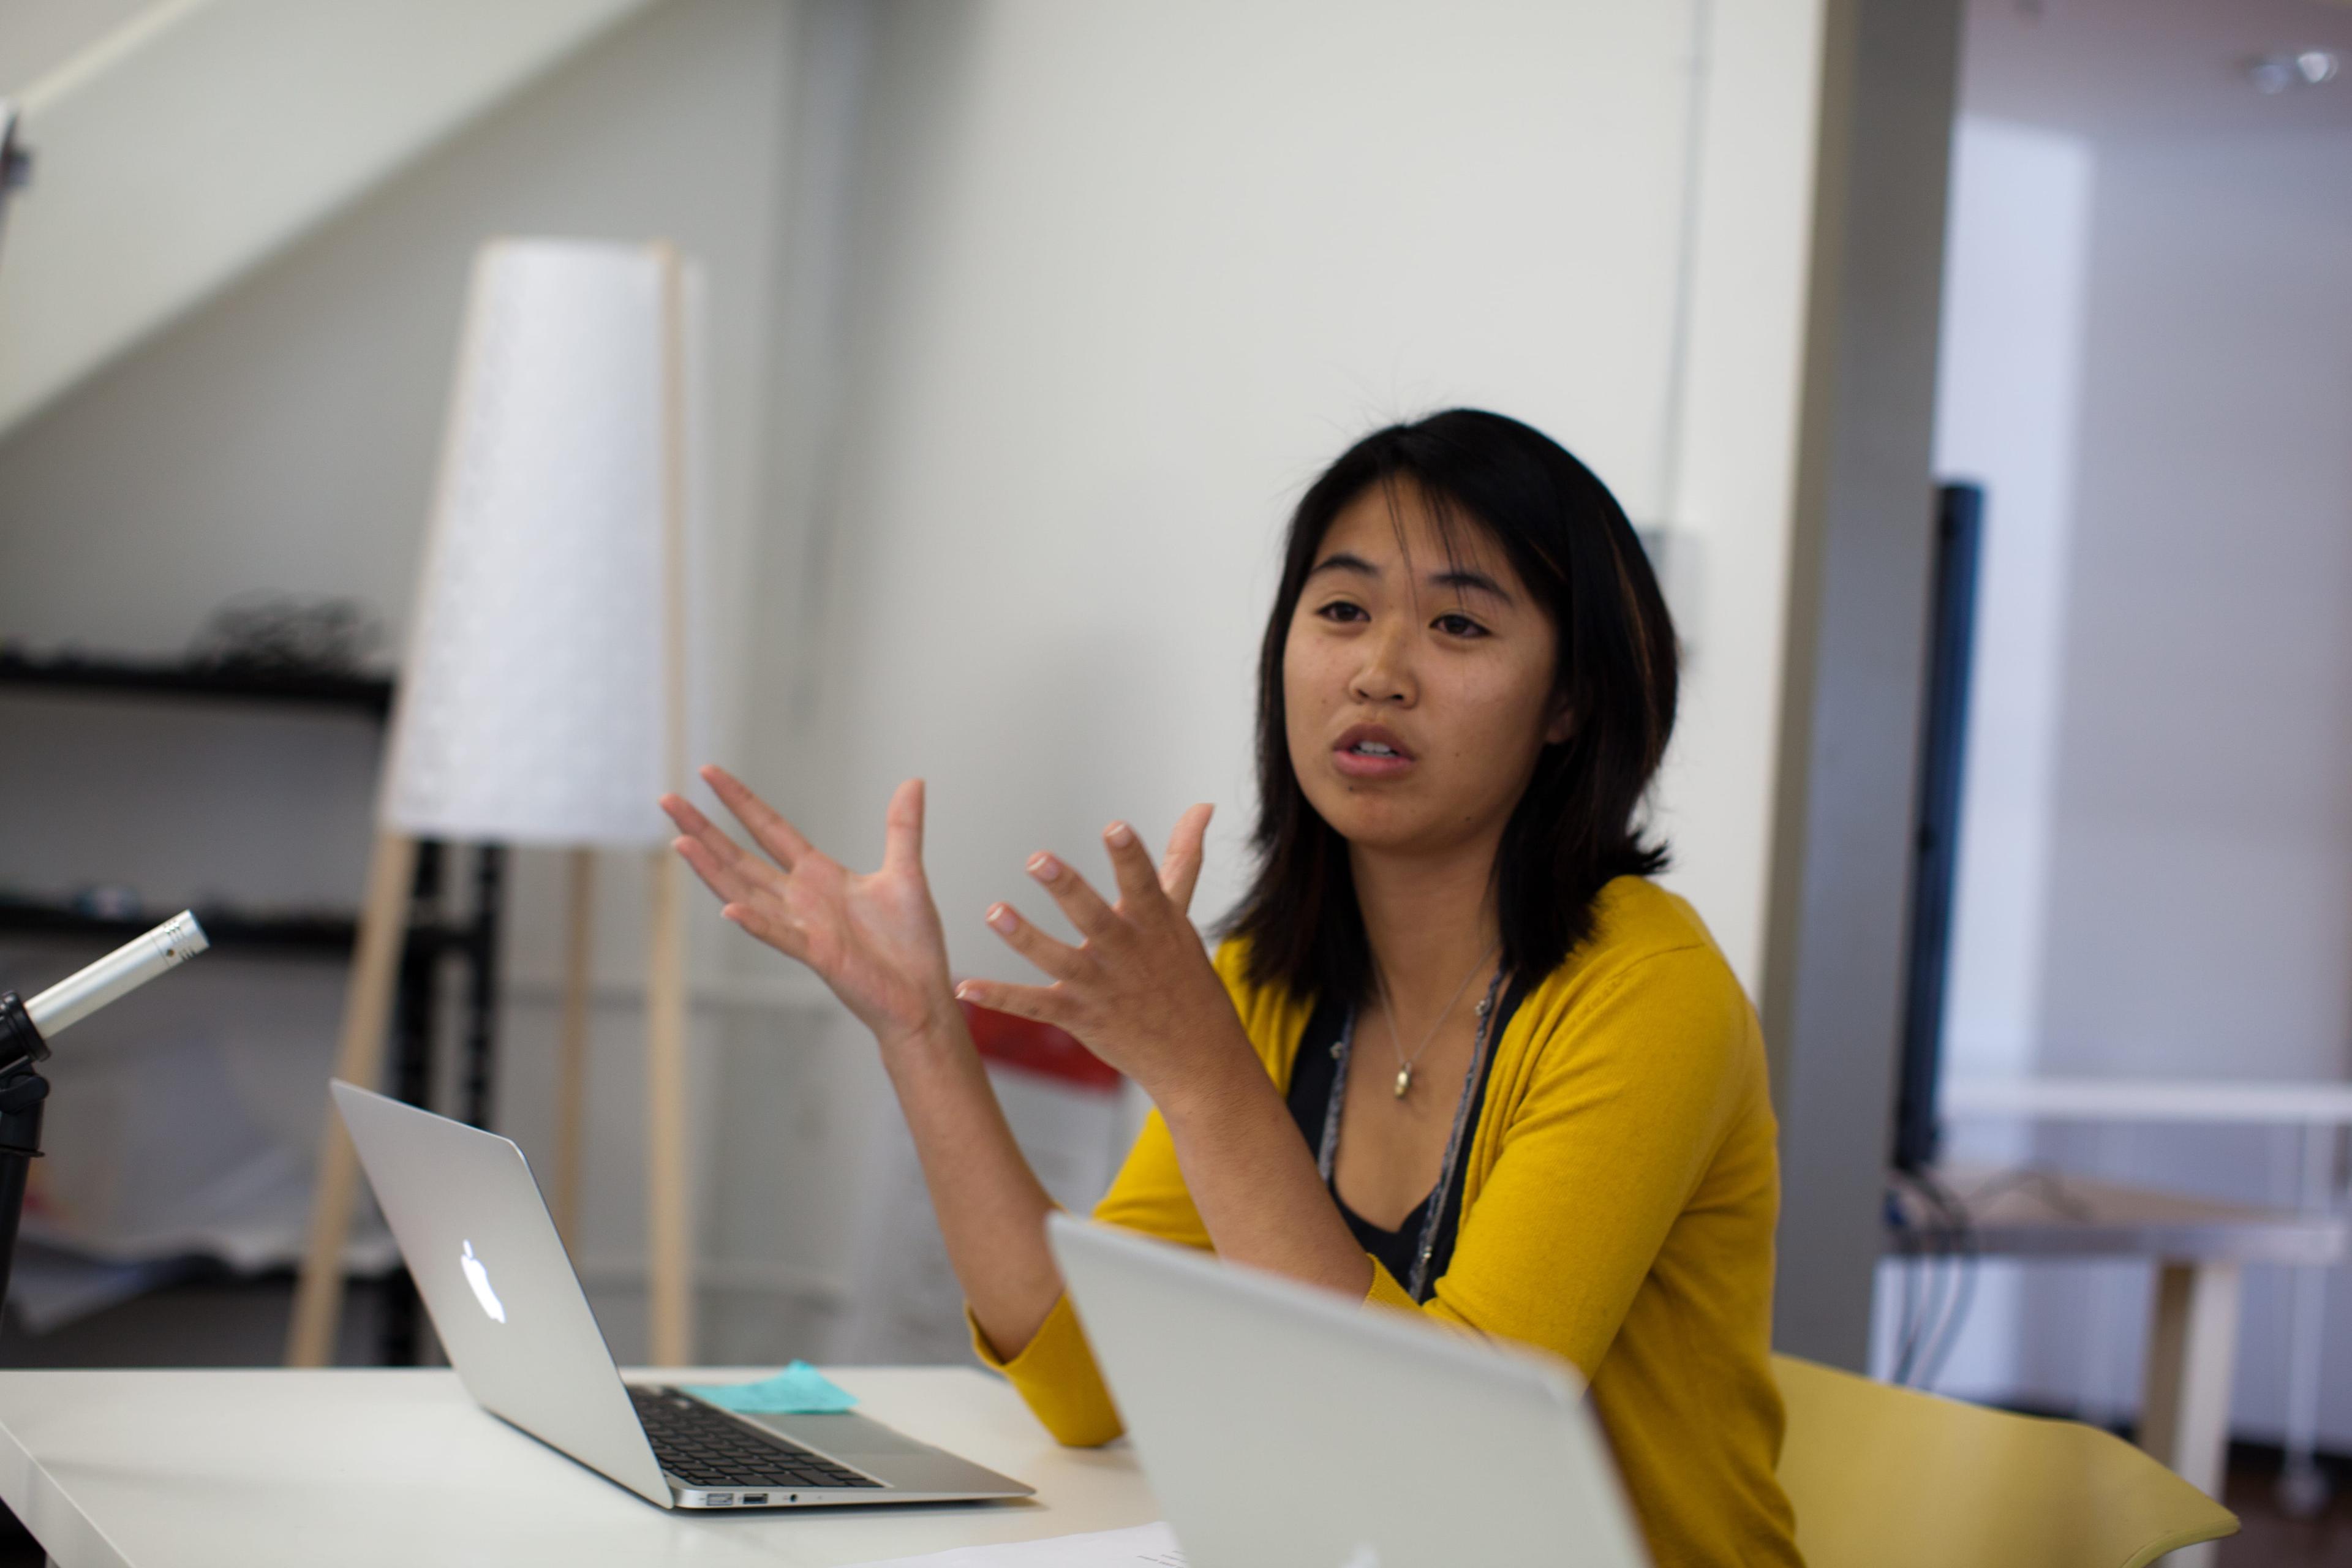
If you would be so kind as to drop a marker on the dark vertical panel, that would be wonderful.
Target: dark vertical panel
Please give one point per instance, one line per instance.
(481, 948)
(416, 1002)
(1936, 851)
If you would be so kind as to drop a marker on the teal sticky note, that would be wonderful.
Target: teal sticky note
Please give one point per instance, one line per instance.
(799, 1390)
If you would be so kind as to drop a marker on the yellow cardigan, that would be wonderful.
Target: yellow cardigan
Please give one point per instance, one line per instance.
(1617, 1210)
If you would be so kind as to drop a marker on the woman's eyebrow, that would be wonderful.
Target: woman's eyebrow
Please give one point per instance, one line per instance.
(1467, 582)
(1343, 561)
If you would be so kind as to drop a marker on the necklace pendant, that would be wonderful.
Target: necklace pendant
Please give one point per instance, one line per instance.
(1404, 1080)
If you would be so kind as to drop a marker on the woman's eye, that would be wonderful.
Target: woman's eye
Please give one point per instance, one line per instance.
(1341, 610)
(1459, 625)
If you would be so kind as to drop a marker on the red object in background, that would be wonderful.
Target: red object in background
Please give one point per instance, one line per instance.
(1037, 1048)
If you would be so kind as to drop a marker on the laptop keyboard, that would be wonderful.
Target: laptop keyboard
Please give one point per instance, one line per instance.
(702, 1447)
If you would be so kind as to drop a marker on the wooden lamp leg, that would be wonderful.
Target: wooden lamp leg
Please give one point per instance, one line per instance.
(669, 1235)
(668, 1221)
(571, 1047)
(367, 1003)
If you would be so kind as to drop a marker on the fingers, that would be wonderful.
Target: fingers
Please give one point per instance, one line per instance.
(1041, 1004)
(1141, 887)
(740, 896)
(1058, 959)
(680, 810)
(739, 876)
(739, 889)
(696, 826)
(1180, 869)
(763, 822)
(1139, 884)
(778, 932)
(1094, 918)
(720, 877)
(902, 829)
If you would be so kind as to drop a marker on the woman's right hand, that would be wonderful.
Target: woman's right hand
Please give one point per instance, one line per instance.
(873, 938)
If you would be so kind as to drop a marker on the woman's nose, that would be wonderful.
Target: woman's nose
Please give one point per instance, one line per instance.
(1386, 674)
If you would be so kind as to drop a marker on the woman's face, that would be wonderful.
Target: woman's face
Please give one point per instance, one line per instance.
(1417, 690)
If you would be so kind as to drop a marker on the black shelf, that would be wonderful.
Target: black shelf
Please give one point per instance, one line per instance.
(434, 932)
(321, 935)
(369, 695)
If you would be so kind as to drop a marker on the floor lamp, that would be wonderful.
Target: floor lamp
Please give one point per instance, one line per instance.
(547, 696)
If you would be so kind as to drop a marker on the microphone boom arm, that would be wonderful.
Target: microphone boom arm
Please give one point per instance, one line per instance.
(24, 1028)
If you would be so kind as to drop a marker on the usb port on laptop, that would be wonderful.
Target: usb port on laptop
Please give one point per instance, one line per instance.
(719, 1500)
(750, 1497)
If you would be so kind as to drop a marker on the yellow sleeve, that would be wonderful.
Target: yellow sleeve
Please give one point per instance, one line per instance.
(1630, 1101)
(1056, 1371)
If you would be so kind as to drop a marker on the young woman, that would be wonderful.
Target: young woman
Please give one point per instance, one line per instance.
(1455, 1054)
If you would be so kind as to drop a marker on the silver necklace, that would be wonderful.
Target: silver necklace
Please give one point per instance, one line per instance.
(1327, 1151)
(1388, 1011)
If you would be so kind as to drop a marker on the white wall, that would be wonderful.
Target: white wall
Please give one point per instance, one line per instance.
(2156, 858)
(2202, 892)
(2007, 405)
(1730, 474)
(1132, 276)
(2201, 903)
(1124, 276)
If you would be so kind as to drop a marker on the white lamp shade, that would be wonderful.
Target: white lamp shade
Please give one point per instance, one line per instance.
(535, 705)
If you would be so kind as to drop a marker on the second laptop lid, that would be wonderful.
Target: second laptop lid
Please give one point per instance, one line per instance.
(1282, 1424)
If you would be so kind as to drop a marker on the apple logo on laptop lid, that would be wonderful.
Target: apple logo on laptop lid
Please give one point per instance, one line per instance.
(478, 1278)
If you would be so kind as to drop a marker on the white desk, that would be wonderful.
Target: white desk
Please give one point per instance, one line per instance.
(398, 1468)
(2198, 1246)
(2219, 1100)
(2320, 1112)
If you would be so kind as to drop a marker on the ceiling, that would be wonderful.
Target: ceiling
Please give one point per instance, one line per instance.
(2113, 70)
(39, 35)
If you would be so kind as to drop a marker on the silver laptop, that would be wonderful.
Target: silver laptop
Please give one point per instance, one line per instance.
(509, 1312)
(1284, 1425)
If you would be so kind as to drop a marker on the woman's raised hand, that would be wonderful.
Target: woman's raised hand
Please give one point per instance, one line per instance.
(874, 938)
(1139, 990)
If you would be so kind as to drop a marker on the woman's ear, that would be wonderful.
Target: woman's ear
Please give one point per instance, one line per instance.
(1562, 725)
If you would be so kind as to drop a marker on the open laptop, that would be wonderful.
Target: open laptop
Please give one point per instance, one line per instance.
(486, 1259)
(1280, 1423)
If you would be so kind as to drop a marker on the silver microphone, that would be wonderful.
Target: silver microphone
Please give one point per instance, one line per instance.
(119, 973)
(24, 1028)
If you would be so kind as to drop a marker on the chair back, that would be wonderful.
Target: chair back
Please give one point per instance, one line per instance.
(1884, 1477)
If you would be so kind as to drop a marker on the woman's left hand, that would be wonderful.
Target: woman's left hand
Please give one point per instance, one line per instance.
(1139, 990)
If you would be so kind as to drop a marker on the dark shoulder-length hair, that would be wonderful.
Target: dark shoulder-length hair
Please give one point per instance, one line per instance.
(1574, 828)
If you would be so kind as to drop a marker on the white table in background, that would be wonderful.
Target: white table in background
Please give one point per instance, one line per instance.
(209, 1469)
(2319, 1112)
(2199, 1247)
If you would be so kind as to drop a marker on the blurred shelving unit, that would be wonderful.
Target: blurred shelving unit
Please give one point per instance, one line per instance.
(433, 936)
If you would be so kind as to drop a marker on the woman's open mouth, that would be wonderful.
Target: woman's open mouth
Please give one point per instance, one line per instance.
(1370, 751)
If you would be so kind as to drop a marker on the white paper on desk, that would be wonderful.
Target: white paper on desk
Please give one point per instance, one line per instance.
(1143, 1546)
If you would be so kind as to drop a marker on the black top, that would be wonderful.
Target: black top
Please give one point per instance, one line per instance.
(1311, 1078)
